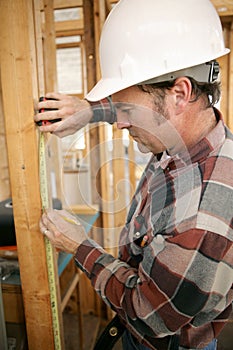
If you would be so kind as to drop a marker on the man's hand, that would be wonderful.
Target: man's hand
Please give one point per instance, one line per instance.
(63, 230)
(73, 112)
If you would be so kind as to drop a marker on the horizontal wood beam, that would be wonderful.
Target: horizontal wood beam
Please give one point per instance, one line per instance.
(69, 28)
(224, 7)
(68, 45)
(64, 4)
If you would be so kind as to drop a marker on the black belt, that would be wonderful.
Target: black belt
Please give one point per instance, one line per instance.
(115, 329)
(110, 335)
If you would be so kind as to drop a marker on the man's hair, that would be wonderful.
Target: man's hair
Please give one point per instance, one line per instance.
(211, 91)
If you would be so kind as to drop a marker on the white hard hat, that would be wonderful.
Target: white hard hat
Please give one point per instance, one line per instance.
(145, 39)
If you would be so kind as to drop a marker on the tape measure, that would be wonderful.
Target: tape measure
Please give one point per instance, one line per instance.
(48, 246)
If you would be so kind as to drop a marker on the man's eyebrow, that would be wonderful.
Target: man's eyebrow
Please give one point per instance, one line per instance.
(122, 105)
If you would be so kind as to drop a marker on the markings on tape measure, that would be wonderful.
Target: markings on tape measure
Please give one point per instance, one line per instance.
(48, 245)
(43, 174)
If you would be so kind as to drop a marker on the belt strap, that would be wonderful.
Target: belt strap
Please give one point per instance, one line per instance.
(110, 335)
(170, 342)
(115, 329)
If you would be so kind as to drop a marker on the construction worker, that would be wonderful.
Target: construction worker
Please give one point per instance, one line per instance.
(171, 286)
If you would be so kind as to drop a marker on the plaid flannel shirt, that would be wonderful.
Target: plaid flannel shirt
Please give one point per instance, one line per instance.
(180, 281)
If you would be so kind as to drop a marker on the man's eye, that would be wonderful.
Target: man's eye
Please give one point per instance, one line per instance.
(127, 110)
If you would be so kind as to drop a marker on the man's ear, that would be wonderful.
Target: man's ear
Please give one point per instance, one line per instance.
(182, 90)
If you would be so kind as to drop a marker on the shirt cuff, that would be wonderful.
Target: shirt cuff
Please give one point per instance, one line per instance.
(103, 111)
(86, 255)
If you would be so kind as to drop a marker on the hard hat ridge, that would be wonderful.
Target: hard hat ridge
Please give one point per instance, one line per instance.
(204, 73)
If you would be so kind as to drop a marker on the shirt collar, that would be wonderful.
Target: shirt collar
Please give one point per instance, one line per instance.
(201, 150)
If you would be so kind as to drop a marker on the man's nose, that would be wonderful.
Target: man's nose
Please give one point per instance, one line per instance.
(122, 121)
(123, 125)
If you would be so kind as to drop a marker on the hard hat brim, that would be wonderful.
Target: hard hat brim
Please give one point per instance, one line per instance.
(106, 87)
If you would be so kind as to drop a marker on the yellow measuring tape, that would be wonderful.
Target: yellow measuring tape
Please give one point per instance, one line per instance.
(48, 245)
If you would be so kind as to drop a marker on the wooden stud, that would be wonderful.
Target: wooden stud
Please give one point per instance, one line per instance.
(39, 82)
(223, 62)
(18, 77)
(90, 14)
(119, 187)
(132, 167)
(50, 78)
(49, 48)
(5, 191)
(230, 74)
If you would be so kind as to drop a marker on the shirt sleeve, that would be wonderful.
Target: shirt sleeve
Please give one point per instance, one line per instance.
(169, 288)
(103, 111)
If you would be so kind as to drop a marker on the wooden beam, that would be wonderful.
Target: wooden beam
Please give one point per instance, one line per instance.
(39, 79)
(230, 84)
(100, 16)
(89, 42)
(119, 187)
(69, 28)
(132, 167)
(49, 48)
(18, 76)
(50, 78)
(5, 191)
(226, 66)
(68, 45)
(108, 6)
(224, 7)
(89, 11)
(223, 62)
(70, 290)
(64, 4)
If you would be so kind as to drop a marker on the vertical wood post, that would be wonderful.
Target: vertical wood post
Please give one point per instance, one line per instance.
(90, 39)
(50, 78)
(230, 85)
(18, 76)
(5, 191)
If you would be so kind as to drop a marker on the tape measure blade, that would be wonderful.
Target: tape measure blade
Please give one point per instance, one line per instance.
(43, 174)
(53, 292)
(50, 259)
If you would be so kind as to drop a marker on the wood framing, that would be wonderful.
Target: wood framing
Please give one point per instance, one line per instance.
(28, 70)
(48, 53)
(5, 191)
(230, 81)
(119, 186)
(90, 59)
(18, 79)
(224, 7)
(69, 28)
(64, 4)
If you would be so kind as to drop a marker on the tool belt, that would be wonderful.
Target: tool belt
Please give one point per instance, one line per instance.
(115, 329)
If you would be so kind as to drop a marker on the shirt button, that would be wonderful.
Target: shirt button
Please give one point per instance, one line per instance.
(137, 234)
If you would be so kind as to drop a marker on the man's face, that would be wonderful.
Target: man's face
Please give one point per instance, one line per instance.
(149, 124)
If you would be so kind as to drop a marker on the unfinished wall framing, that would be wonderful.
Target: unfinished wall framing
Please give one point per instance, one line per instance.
(28, 70)
(19, 81)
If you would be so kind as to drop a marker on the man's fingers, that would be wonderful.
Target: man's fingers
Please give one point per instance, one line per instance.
(56, 95)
